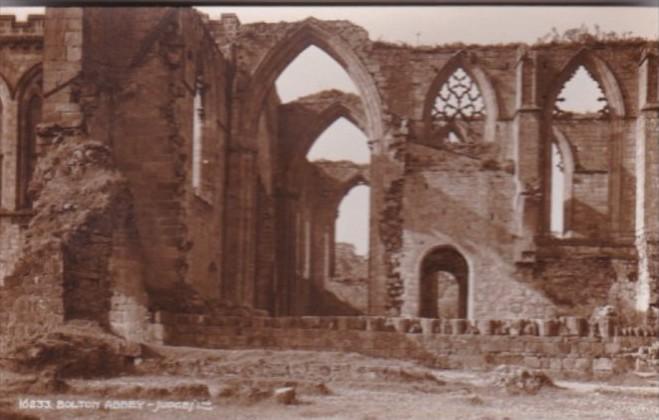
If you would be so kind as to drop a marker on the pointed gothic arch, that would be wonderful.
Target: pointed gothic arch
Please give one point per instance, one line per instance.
(329, 116)
(607, 81)
(308, 33)
(564, 148)
(341, 108)
(462, 61)
(601, 73)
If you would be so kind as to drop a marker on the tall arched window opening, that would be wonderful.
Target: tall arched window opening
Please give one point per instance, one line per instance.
(457, 104)
(558, 196)
(581, 95)
(27, 149)
(281, 77)
(348, 260)
(197, 134)
(352, 233)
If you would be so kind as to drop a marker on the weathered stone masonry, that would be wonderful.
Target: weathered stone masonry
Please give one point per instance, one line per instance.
(149, 165)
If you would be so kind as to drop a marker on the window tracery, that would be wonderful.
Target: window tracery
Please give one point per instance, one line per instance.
(458, 99)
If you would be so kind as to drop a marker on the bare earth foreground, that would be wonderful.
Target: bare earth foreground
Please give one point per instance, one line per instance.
(176, 382)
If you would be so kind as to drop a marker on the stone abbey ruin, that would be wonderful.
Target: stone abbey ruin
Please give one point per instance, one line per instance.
(153, 183)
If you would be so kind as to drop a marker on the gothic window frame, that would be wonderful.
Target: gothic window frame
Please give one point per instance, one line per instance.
(607, 81)
(603, 112)
(461, 89)
(467, 62)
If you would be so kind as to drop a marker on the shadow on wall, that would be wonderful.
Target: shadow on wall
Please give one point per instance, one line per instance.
(443, 190)
(586, 221)
(567, 285)
(326, 303)
(577, 284)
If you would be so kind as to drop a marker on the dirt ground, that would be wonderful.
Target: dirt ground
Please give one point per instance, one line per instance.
(180, 383)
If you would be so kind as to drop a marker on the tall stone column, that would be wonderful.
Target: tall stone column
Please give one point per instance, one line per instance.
(286, 288)
(239, 222)
(528, 150)
(647, 181)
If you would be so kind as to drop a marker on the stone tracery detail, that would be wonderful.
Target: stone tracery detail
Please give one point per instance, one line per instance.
(458, 99)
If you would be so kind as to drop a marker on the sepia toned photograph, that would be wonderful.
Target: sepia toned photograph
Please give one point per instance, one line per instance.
(366, 212)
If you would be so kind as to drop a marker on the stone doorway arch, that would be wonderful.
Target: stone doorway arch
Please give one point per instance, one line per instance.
(443, 291)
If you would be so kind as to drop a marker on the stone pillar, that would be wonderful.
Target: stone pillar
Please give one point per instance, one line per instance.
(239, 222)
(528, 151)
(290, 297)
(647, 181)
(332, 234)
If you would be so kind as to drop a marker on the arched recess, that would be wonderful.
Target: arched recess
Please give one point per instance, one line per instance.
(354, 182)
(440, 267)
(600, 72)
(279, 57)
(29, 96)
(463, 61)
(566, 183)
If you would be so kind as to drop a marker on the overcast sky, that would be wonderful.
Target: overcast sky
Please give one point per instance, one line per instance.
(433, 24)
(313, 71)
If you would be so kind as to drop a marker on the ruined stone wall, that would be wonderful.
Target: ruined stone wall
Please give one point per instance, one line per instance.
(115, 159)
(349, 282)
(152, 79)
(79, 258)
(490, 198)
(467, 202)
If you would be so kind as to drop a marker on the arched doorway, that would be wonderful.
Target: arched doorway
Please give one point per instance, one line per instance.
(443, 284)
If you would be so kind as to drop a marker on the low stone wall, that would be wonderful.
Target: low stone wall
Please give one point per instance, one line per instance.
(567, 348)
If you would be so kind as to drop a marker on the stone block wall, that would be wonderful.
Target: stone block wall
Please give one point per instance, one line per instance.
(567, 348)
(145, 110)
